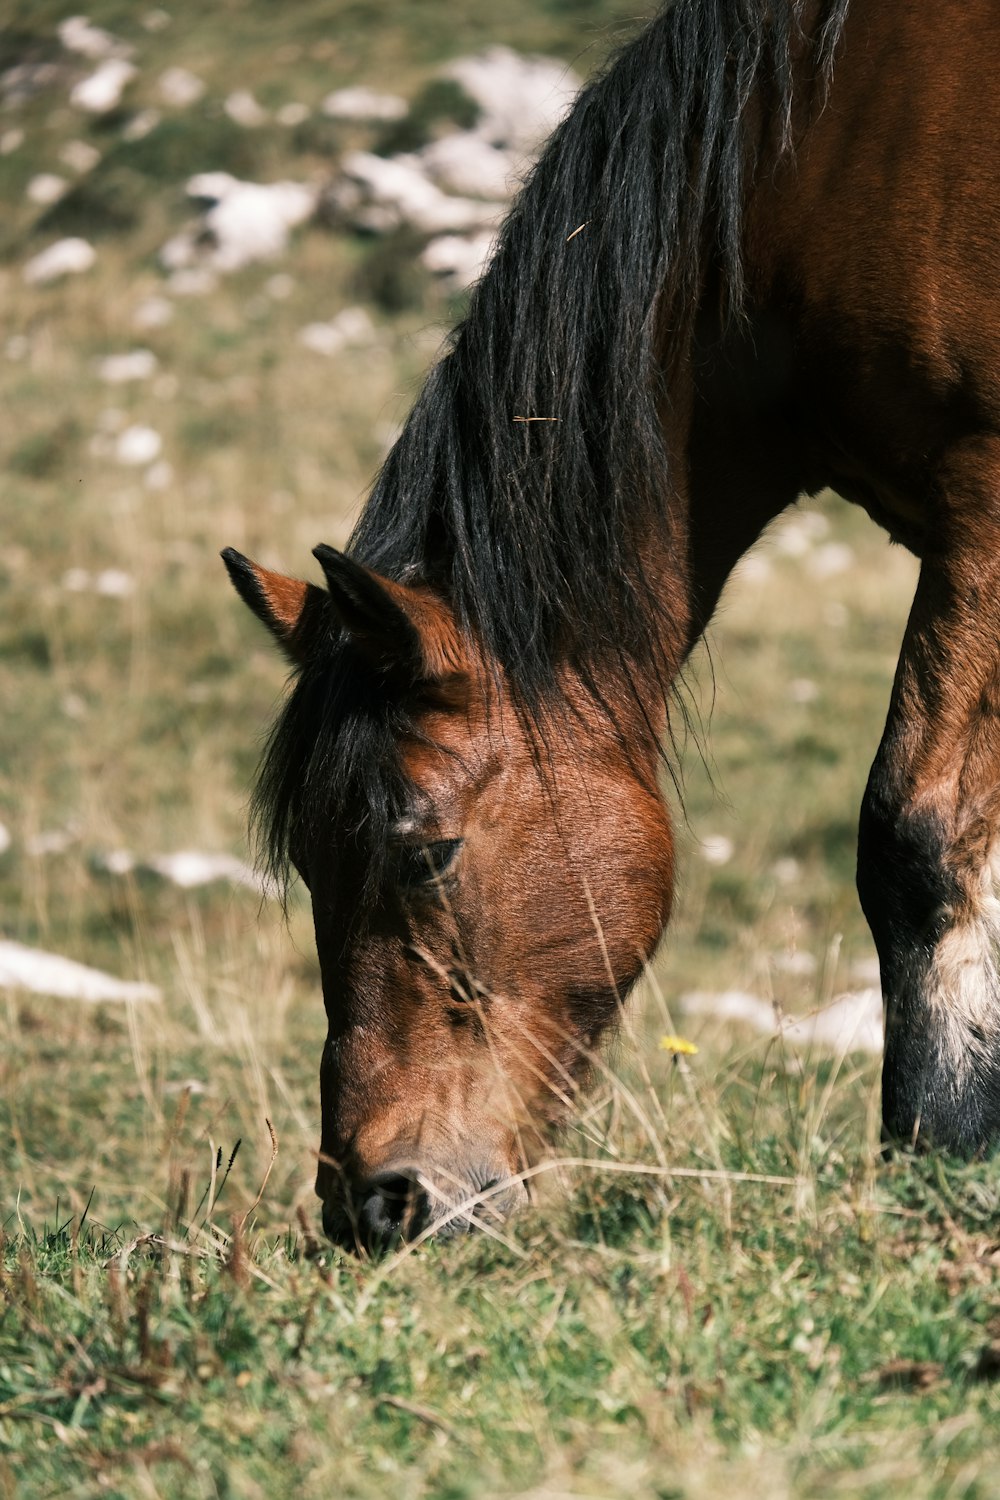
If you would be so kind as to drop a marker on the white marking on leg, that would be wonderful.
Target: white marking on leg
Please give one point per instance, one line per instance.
(963, 985)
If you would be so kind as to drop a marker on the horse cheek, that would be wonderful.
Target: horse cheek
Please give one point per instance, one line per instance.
(631, 891)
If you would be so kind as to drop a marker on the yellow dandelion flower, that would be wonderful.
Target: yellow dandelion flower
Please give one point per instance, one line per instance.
(678, 1046)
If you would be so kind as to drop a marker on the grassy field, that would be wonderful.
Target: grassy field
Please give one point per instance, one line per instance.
(729, 1292)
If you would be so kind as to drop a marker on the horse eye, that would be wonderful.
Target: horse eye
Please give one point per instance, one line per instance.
(423, 864)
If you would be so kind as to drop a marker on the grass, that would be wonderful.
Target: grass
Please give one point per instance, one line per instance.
(661, 1322)
(670, 1342)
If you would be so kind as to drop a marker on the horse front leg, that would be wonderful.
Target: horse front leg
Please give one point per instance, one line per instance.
(929, 853)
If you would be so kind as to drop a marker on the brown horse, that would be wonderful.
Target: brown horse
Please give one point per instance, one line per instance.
(761, 257)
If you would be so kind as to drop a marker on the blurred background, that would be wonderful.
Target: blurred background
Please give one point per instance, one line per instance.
(233, 238)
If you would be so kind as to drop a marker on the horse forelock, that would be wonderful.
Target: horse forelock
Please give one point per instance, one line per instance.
(332, 777)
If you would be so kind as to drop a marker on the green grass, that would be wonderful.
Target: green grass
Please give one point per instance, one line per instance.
(660, 1322)
(665, 1342)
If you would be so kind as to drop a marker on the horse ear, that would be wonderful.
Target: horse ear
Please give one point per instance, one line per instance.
(287, 606)
(402, 632)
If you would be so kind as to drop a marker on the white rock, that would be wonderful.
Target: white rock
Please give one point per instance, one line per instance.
(193, 281)
(11, 141)
(73, 706)
(464, 163)
(363, 104)
(243, 109)
(522, 99)
(23, 81)
(160, 476)
(102, 91)
(349, 329)
(378, 218)
(113, 583)
(156, 20)
(153, 312)
(786, 871)
(5, 838)
(803, 690)
(138, 446)
(214, 187)
(187, 868)
(24, 968)
(401, 186)
(731, 1005)
(355, 324)
(116, 862)
(190, 868)
(244, 222)
(180, 251)
(46, 188)
(192, 1086)
(790, 537)
(179, 87)
(867, 970)
(830, 559)
(293, 113)
(79, 156)
(851, 1023)
(137, 364)
(321, 338)
(50, 841)
(64, 258)
(796, 961)
(754, 569)
(814, 523)
(78, 35)
(141, 125)
(716, 849)
(462, 259)
(798, 532)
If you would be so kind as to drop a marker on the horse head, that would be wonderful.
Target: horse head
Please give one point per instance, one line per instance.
(485, 891)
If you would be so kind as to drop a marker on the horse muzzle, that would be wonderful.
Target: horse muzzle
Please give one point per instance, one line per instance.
(407, 1201)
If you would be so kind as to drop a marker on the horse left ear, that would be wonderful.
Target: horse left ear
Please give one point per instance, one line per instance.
(405, 633)
(287, 606)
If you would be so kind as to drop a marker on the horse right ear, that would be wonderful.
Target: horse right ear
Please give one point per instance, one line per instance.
(287, 606)
(406, 633)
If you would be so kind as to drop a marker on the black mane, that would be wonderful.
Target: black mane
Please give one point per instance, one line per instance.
(533, 530)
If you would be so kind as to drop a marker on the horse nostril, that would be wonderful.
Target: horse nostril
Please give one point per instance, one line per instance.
(392, 1205)
(405, 1200)
(395, 1188)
